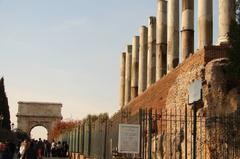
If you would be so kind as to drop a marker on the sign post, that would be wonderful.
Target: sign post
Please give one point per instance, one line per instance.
(195, 95)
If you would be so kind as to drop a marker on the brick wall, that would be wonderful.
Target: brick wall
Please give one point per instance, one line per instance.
(156, 95)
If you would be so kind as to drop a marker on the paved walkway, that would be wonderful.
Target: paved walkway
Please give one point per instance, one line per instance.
(48, 158)
(15, 157)
(55, 158)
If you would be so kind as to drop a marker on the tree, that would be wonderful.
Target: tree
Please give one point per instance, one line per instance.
(238, 11)
(61, 127)
(234, 57)
(20, 135)
(4, 108)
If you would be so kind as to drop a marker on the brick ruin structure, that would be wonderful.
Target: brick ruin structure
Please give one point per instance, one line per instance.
(160, 82)
(155, 52)
(154, 91)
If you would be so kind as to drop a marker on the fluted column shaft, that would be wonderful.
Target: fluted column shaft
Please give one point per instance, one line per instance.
(173, 35)
(161, 39)
(122, 79)
(187, 28)
(151, 58)
(205, 23)
(128, 74)
(135, 65)
(142, 81)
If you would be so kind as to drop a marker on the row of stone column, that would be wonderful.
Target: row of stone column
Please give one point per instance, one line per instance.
(156, 51)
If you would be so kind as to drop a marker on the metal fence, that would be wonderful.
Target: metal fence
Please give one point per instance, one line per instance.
(165, 133)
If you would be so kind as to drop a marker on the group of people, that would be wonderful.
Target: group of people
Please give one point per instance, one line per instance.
(7, 150)
(33, 149)
(59, 149)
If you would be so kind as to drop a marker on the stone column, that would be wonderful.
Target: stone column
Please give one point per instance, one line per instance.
(135, 64)
(142, 81)
(122, 79)
(151, 57)
(173, 35)
(226, 15)
(128, 74)
(205, 23)
(187, 28)
(161, 39)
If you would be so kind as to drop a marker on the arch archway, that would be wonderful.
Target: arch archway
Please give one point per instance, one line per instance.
(39, 132)
(33, 114)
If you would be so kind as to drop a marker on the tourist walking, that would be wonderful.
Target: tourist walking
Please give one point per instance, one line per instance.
(10, 148)
(31, 151)
(47, 148)
(22, 149)
(59, 149)
(53, 149)
(2, 150)
(40, 148)
(65, 149)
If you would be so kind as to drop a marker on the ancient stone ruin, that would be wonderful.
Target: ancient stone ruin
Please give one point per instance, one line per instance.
(159, 82)
(155, 52)
(32, 114)
(154, 91)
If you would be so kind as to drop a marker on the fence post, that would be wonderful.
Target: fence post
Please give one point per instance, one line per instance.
(141, 132)
(71, 141)
(145, 132)
(74, 140)
(194, 129)
(186, 132)
(77, 146)
(89, 135)
(150, 134)
(105, 139)
(83, 137)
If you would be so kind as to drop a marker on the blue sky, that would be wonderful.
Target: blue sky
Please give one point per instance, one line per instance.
(69, 50)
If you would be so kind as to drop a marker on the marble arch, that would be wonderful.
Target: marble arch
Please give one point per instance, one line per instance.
(32, 114)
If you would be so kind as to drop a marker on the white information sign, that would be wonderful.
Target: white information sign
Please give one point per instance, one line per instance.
(129, 138)
(195, 91)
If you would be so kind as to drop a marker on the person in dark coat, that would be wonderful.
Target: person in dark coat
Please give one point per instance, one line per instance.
(65, 149)
(31, 151)
(4, 151)
(11, 149)
(40, 148)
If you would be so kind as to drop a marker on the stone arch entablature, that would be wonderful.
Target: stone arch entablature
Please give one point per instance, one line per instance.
(32, 114)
